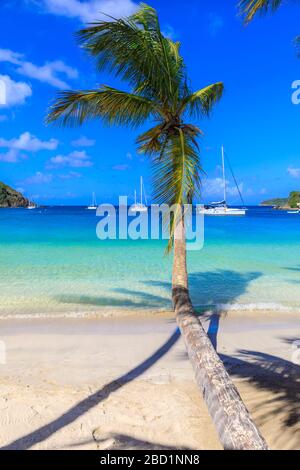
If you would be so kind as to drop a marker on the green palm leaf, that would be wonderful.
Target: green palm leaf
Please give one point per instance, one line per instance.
(249, 8)
(111, 105)
(202, 101)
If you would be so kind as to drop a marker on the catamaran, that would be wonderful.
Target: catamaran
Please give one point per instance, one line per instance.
(220, 208)
(139, 206)
(93, 206)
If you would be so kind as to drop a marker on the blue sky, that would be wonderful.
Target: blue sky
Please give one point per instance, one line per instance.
(256, 120)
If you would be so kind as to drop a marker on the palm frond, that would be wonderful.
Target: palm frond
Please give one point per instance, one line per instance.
(135, 50)
(176, 174)
(111, 105)
(249, 8)
(202, 101)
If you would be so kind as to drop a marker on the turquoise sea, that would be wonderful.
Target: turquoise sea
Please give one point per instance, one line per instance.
(52, 263)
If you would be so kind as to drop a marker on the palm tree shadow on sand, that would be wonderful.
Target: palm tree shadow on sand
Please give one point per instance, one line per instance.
(201, 283)
(93, 400)
(267, 373)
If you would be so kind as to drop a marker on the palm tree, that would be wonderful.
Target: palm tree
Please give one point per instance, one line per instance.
(250, 8)
(137, 52)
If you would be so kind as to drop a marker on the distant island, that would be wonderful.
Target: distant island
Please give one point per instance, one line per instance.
(291, 202)
(9, 197)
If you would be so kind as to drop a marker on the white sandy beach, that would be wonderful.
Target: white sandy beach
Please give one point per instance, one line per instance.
(126, 383)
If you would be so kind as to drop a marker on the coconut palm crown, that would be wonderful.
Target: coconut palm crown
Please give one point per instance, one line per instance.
(135, 50)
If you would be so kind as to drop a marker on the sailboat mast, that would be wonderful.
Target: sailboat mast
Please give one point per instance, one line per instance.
(224, 176)
(141, 190)
(135, 197)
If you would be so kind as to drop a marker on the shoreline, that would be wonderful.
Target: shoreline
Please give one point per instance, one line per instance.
(251, 309)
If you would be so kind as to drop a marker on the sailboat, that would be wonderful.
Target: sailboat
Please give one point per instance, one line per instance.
(220, 208)
(139, 206)
(93, 206)
(31, 205)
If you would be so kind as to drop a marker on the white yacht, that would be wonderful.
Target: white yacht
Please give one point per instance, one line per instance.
(93, 206)
(220, 208)
(139, 206)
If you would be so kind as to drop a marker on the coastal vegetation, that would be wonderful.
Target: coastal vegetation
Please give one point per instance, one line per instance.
(290, 202)
(9, 197)
(135, 50)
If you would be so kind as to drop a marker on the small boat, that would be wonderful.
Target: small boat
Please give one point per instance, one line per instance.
(293, 212)
(139, 206)
(93, 206)
(220, 208)
(31, 205)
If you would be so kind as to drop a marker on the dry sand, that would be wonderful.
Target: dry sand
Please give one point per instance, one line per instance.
(126, 383)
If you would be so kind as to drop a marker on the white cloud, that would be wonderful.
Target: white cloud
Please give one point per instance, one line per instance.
(49, 73)
(15, 92)
(25, 143)
(215, 187)
(74, 159)
(89, 11)
(12, 156)
(83, 142)
(29, 143)
(38, 178)
(294, 172)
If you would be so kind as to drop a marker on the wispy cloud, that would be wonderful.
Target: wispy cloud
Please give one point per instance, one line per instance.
(215, 24)
(89, 11)
(76, 159)
(215, 187)
(15, 93)
(123, 167)
(38, 178)
(50, 72)
(12, 156)
(70, 175)
(169, 32)
(83, 142)
(293, 172)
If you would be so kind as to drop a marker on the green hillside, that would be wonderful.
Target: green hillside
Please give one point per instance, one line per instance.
(291, 201)
(9, 197)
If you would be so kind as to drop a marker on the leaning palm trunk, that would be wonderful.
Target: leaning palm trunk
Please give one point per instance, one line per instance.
(231, 418)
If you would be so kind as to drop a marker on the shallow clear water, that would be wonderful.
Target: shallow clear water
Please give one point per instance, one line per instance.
(51, 262)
